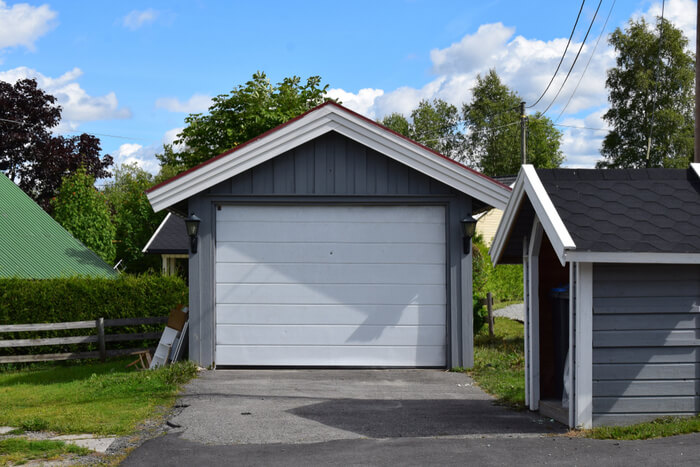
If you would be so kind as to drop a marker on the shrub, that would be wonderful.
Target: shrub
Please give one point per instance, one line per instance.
(25, 301)
(505, 281)
(82, 298)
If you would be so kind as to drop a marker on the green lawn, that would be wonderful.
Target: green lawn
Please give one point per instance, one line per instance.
(100, 398)
(19, 450)
(499, 362)
(659, 428)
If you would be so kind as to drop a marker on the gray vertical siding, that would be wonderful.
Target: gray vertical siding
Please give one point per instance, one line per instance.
(331, 169)
(646, 353)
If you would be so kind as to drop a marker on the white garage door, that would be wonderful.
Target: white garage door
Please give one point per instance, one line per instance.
(330, 286)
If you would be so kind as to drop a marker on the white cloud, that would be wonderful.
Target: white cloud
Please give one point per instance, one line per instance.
(78, 106)
(473, 52)
(23, 24)
(582, 146)
(170, 136)
(682, 13)
(195, 104)
(361, 102)
(143, 157)
(137, 18)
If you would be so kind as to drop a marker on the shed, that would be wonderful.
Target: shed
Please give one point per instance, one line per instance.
(611, 262)
(330, 241)
(34, 246)
(170, 241)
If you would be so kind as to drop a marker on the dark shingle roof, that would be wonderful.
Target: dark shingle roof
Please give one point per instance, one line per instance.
(34, 246)
(627, 210)
(171, 237)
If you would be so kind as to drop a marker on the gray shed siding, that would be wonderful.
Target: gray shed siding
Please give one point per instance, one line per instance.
(646, 357)
(331, 169)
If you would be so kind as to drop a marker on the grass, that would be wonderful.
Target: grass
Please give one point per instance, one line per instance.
(662, 427)
(20, 450)
(499, 362)
(100, 398)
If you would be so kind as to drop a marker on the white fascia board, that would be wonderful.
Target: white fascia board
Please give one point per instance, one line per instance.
(254, 153)
(313, 125)
(505, 226)
(556, 231)
(632, 257)
(696, 168)
(422, 160)
(155, 234)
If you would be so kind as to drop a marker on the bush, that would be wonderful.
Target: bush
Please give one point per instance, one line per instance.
(480, 314)
(25, 301)
(81, 298)
(505, 281)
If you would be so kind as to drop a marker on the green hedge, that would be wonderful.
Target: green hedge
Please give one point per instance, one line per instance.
(25, 301)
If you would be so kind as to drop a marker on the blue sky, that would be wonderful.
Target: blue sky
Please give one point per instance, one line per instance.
(135, 69)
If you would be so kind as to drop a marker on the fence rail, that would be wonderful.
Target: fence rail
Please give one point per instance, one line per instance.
(100, 338)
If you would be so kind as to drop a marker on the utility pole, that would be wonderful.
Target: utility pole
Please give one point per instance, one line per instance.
(697, 87)
(523, 132)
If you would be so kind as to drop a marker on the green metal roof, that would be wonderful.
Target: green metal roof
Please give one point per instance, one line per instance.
(33, 245)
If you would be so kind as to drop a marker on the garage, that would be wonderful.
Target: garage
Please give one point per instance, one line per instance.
(330, 241)
(331, 286)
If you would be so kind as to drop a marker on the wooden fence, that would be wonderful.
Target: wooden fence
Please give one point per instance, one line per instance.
(99, 337)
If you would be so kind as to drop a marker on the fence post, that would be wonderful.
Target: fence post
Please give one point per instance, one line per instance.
(100, 322)
(489, 308)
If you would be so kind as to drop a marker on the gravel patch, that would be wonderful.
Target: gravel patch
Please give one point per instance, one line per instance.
(515, 312)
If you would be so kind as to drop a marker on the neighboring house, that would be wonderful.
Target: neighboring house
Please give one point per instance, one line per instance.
(330, 241)
(34, 246)
(488, 221)
(612, 263)
(170, 241)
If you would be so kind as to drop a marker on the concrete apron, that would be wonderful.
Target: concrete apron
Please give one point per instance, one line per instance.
(225, 407)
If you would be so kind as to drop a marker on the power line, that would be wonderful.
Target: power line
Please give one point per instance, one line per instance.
(581, 127)
(562, 56)
(656, 82)
(588, 63)
(575, 58)
(80, 132)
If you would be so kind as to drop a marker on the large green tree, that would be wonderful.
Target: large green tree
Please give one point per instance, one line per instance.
(84, 212)
(133, 217)
(30, 155)
(435, 124)
(246, 112)
(493, 133)
(654, 75)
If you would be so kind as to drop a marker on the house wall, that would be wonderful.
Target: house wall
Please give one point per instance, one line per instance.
(488, 225)
(645, 348)
(328, 170)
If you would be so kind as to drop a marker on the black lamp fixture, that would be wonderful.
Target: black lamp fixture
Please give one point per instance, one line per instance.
(468, 229)
(192, 224)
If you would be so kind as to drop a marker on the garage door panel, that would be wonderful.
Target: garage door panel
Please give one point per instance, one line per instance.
(410, 315)
(319, 294)
(377, 356)
(347, 214)
(331, 286)
(313, 232)
(301, 273)
(344, 253)
(327, 335)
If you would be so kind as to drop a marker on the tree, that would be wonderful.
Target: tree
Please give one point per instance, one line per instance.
(435, 124)
(133, 217)
(30, 155)
(398, 123)
(493, 132)
(246, 112)
(83, 211)
(654, 75)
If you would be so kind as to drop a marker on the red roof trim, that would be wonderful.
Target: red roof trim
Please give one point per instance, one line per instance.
(279, 127)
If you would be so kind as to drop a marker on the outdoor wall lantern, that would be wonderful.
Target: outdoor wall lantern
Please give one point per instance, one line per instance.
(468, 229)
(192, 224)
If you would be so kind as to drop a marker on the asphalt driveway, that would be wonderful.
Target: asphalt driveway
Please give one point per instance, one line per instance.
(377, 417)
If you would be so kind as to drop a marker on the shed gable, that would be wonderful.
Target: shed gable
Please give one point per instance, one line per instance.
(331, 165)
